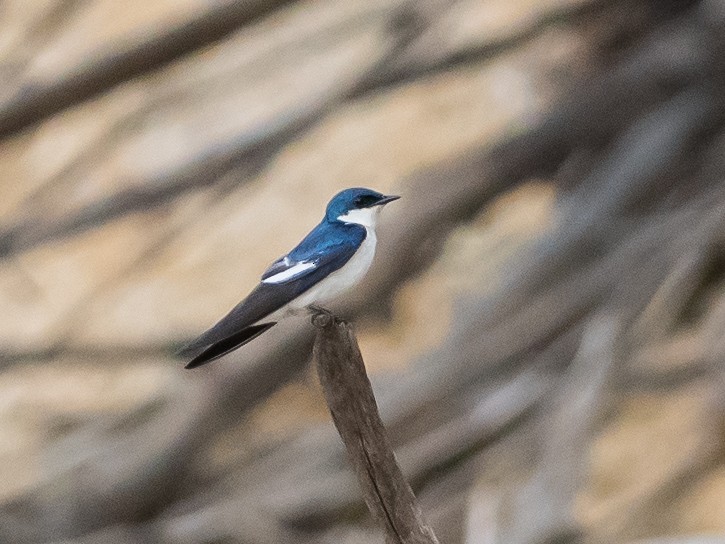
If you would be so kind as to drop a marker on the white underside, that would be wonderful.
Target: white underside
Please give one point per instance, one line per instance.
(344, 278)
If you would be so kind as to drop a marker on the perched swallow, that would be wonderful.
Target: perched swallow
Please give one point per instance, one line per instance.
(333, 257)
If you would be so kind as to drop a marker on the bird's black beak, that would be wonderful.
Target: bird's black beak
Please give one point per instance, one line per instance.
(386, 199)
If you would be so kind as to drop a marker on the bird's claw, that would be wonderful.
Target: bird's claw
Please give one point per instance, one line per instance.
(315, 309)
(323, 317)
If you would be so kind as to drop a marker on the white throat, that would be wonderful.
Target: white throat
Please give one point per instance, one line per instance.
(351, 272)
(367, 217)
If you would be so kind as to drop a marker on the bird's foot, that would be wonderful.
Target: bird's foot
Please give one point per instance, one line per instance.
(315, 309)
(322, 317)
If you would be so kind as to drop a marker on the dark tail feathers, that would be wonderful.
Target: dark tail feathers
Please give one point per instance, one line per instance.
(229, 344)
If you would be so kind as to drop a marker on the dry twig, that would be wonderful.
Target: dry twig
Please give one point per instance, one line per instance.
(352, 404)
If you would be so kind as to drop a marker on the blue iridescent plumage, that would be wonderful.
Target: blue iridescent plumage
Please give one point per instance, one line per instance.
(326, 249)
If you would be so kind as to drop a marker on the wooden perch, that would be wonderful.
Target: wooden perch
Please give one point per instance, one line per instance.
(352, 404)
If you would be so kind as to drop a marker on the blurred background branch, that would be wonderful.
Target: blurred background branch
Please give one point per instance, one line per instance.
(543, 325)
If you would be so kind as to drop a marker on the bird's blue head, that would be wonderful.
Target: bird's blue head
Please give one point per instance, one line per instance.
(357, 205)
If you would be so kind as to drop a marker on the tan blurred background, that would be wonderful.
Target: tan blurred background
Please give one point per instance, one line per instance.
(543, 324)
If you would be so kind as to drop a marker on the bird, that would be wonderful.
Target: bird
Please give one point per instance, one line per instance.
(331, 259)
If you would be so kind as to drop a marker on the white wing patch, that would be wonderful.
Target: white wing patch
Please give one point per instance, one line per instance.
(290, 273)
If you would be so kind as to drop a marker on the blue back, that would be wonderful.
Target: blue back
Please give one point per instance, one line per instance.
(329, 245)
(327, 239)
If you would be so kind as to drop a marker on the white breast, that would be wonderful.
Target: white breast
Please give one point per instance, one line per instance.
(342, 279)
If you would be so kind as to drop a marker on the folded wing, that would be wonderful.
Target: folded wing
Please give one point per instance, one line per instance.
(318, 255)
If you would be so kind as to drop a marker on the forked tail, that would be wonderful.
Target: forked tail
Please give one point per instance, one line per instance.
(229, 344)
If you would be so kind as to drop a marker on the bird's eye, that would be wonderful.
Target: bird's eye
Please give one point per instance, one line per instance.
(365, 201)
